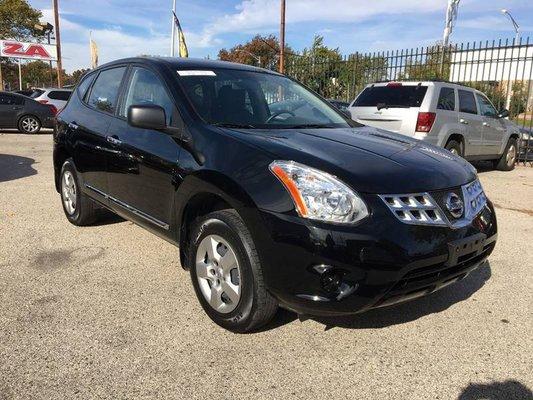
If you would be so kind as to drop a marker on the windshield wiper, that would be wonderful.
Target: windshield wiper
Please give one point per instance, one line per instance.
(232, 125)
(309, 126)
(379, 106)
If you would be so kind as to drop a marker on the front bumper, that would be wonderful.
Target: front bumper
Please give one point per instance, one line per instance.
(379, 262)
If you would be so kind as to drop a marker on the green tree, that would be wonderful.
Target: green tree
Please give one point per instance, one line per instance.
(18, 20)
(434, 63)
(260, 51)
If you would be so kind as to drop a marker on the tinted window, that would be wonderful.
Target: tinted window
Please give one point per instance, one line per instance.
(446, 99)
(467, 103)
(146, 88)
(8, 100)
(393, 96)
(485, 106)
(36, 93)
(104, 93)
(247, 99)
(59, 95)
(84, 85)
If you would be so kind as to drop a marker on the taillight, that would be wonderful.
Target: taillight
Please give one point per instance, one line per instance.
(425, 121)
(43, 101)
(53, 109)
(394, 84)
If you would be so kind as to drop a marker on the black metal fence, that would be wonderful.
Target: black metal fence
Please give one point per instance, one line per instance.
(501, 69)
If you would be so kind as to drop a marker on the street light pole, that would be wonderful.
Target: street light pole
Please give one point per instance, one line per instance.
(282, 39)
(515, 24)
(58, 44)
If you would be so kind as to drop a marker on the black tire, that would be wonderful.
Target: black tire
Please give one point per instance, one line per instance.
(85, 210)
(24, 127)
(455, 147)
(507, 161)
(256, 306)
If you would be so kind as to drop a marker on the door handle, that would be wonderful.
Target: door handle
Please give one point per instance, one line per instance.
(73, 126)
(113, 140)
(463, 121)
(486, 124)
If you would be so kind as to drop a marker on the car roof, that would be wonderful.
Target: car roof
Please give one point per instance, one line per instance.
(188, 63)
(50, 89)
(426, 83)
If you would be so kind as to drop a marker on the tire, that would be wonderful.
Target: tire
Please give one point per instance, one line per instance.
(508, 158)
(29, 124)
(79, 209)
(253, 306)
(454, 147)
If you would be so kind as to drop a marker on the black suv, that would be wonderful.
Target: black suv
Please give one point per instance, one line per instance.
(273, 196)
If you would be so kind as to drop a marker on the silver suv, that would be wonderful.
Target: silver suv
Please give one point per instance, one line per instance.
(456, 117)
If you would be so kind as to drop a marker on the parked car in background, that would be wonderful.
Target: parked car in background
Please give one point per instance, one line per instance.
(341, 105)
(57, 97)
(456, 117)
(285, 203)
(526, 144)
(26, 92)
(25, 114)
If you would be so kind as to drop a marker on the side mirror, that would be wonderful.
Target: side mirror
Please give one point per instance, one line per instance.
(147, 116)
(503, 113)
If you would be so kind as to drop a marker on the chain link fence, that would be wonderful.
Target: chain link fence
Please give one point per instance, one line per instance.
(502, 69)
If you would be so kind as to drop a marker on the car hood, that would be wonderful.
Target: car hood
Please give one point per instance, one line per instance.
(371, 160)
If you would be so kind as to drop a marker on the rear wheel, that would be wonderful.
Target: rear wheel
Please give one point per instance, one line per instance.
(226, 273)
(29, 124)
(508, 159)
(78, 207)
(454, 147)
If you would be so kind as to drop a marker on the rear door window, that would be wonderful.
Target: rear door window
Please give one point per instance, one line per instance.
(8, 100)
(446, 99)
(392, 96)
(104, 94)
(83, 86)
(467, 103)
(63, 95)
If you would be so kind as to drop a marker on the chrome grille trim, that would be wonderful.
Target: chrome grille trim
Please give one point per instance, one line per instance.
(415, 208)
(422, 209)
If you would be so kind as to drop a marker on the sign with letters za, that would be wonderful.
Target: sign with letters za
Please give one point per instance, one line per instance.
(33, 51)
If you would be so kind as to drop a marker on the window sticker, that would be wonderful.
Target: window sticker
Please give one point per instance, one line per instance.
(196, 73)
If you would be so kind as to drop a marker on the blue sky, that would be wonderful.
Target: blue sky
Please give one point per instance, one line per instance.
(125, 28)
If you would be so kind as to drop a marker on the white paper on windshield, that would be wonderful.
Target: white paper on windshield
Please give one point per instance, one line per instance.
(198, 72)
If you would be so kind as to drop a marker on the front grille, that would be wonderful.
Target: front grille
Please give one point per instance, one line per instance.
(417, 209)
(431, 208)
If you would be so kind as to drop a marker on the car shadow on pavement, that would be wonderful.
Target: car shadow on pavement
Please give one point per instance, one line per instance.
(508, 390)
(15, 167)
(401, 313)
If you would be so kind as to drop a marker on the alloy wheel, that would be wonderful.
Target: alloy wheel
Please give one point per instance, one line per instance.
(68, 189)
(510, 157)
(218, 273)
(30, 124)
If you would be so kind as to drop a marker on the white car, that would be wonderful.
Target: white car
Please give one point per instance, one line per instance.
(56, 97)
(456, 117)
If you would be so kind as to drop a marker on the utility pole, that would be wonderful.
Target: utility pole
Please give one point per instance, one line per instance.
(173, 30)
(58, 45)
(282, 39)
(515, 25)
(451, 16)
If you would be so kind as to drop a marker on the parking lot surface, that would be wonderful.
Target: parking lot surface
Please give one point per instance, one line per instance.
(107, 312)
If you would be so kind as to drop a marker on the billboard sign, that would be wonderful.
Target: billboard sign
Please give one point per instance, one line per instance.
(32, 51)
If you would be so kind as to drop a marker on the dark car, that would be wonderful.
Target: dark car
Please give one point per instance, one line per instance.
(301, 207)
(26, 115)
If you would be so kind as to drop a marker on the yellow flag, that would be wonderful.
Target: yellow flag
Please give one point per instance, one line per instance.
(183, 52)
(94, 53)
(183, 46)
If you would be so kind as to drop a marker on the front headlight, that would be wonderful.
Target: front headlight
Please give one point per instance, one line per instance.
(319, 195)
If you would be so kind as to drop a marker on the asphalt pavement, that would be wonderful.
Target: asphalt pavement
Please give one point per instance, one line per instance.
(107, 312)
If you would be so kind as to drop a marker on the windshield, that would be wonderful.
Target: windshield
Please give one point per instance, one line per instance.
(391, 96)
(246, 99)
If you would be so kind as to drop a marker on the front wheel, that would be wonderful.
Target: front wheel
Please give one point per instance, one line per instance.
(508, 159)
(29, 124)
(226, 273)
